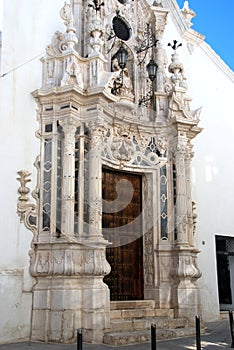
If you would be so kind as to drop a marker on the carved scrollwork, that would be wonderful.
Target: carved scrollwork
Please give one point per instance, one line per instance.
(25, 209)
(71, 262)
(187, 269)
(57, 45)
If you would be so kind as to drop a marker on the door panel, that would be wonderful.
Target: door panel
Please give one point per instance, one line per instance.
(122, 225)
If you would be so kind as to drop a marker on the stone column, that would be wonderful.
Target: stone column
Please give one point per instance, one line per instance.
(68, 183)
(160, 14)
(95, 181)
(160, 60)
(81, 184)
(96, 296)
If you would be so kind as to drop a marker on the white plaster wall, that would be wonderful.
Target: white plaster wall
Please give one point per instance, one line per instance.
(28, 27)
(213, 166)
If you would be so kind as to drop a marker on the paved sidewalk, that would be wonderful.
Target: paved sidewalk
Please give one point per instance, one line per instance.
(217, 336)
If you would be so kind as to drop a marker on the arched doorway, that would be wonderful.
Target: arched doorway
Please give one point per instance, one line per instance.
(122, 226)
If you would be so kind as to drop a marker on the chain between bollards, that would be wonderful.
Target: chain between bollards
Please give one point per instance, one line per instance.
(198, 333)
(79, 339)
(153, 336)
(231, 327)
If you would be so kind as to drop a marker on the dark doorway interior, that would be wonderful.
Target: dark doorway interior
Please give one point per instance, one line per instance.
(224, 250)
(122, 226)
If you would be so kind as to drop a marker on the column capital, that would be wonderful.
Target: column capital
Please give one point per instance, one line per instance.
(69, 123)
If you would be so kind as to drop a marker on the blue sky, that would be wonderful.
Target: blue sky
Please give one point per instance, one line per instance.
(215, 20)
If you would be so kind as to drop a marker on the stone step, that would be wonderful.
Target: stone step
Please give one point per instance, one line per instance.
(224, 315)
(132, 304)
(140, 313)
(145, 323)
(123, 338)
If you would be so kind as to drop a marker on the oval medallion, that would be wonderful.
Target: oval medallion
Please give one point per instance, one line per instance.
(121, 28)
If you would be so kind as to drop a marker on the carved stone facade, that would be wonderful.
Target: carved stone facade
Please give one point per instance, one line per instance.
(84, 127)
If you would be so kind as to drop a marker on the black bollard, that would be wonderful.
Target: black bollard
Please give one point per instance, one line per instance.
(79, 339)
(198, 333)
(231, 327)
(153, 336)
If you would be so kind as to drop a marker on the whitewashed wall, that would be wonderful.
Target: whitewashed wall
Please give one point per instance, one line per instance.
(211, 85)
(28, 27)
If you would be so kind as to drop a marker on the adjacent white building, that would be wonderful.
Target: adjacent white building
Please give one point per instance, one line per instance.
(110, 156)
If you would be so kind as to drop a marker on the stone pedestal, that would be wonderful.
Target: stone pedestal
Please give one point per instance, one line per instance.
(188, 296)
(70, 292)
(188, 301)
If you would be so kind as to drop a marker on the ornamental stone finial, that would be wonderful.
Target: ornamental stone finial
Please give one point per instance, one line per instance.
(176, 68)
(188, 13)
(96, 33)
(67, 15)
(70, 39)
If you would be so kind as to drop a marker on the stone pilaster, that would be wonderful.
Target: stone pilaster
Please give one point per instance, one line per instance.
(189, 196)
(181, 196)
(186, 270)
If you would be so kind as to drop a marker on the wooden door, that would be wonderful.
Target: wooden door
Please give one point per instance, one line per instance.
(122, 226)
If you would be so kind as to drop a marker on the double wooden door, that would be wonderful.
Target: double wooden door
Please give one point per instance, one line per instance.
(122, 226)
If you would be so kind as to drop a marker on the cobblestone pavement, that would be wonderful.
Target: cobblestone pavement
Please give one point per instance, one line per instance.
(217, 336)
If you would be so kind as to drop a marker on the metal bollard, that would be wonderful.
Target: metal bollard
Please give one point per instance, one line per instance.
(79, 339)
(153, 336)
(198, 333)
(231, 328)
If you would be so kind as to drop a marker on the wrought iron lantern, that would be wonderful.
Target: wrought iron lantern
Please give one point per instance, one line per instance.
(152, 69)
(122, 56)
(152, 72)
